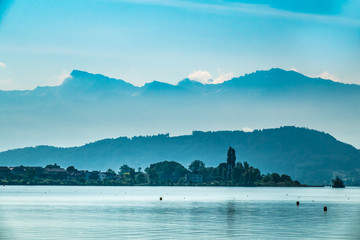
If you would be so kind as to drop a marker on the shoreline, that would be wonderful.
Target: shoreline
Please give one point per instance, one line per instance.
(99, 185)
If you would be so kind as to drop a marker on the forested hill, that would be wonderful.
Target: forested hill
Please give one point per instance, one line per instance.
(310, 156)
(87, 107)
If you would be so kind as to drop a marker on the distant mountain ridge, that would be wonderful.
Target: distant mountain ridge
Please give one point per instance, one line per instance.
(87, 107)
(272, 79)
(261, 82)
(310, 156)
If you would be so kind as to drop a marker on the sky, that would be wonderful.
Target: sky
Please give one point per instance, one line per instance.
(139, 41)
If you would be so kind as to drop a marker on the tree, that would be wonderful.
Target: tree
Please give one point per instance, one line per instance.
(296, 183)
(266, 178)
(140, 178)
(110, 172)
(222, 171)
(71, 169)
(246, 166)
(125, 169)
(240, 165)
(197, 166)
(211, 174)
(338, 183)
(168, 171)
(231, 158)
(52, 166)
(275, 177)
(94, 175)
(255, 175)
(132, 174)
(30, 173)
(153, 176)
(236, 176)
(286, 178)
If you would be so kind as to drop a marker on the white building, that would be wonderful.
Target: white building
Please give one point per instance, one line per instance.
(194, 178)
(102, 176)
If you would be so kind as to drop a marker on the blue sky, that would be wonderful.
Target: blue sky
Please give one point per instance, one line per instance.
(42, 41)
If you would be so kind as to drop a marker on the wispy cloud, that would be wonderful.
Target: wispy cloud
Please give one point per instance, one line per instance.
(255, 9)
(223, 77)
(327, 75)
(323, 75)
(59, 79)
(206, 78)
(2, 65)
(293, 69)
(247, 129)
(200, 76)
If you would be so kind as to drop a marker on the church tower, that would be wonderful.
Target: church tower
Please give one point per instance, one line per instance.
(231, 158)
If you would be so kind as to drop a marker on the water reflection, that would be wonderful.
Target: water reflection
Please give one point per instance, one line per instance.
(185, 213)
(354, 226)
(4, 229)
(230, 218)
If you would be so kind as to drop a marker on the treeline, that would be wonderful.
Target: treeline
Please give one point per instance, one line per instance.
(166, 173)
(307, 155)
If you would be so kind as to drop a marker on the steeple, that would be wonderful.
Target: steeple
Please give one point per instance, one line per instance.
(231, 158)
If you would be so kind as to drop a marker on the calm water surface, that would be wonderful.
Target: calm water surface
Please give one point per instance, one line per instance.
(50, 212)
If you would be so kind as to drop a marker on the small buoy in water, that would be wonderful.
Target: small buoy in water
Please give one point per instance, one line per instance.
(297, 203)
(160, 198)
(325, 209)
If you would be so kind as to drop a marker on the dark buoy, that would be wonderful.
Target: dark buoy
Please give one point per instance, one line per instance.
(160, 198)
(297, 203)
(325, 209)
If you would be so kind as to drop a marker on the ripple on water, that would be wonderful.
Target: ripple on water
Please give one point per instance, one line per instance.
(184, 213)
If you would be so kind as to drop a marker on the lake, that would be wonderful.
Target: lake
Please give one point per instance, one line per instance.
(85, 212)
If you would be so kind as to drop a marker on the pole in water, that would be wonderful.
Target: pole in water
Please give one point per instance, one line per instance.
(325, 209)
(160, 198)
(297, 203)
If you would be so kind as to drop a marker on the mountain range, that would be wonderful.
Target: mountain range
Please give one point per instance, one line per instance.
(88, 107)
(309, 156)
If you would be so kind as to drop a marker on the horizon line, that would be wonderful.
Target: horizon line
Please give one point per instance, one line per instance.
(69, 76)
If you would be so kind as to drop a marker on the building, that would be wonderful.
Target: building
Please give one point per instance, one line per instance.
(84, 174)
(194, 178)
(102, 176)
(57, 172)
